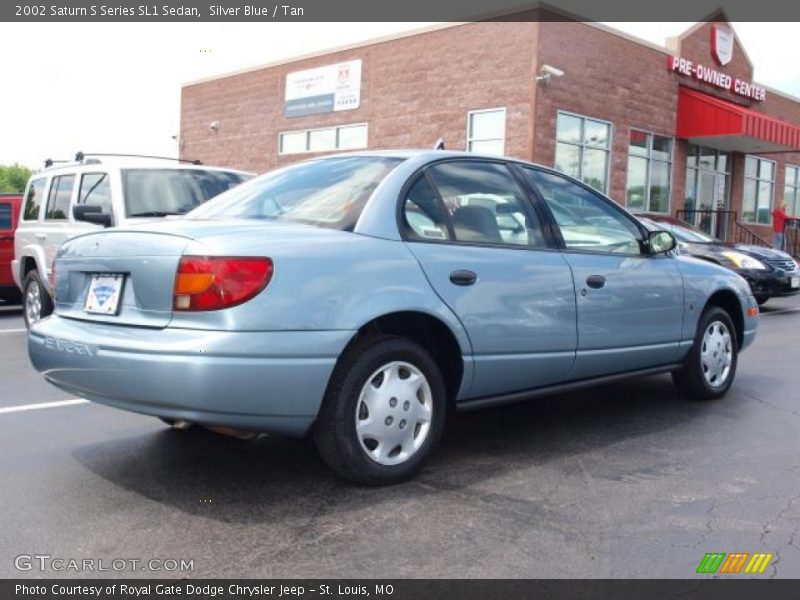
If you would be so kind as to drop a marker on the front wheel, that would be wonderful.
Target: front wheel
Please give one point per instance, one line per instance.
(383, 412)
(762, 299)
(37, 302)
(710, 366)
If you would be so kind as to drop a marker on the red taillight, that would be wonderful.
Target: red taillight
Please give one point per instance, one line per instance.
(214, 282)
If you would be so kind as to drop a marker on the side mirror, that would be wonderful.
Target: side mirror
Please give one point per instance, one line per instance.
(91, 214)
(661, 242)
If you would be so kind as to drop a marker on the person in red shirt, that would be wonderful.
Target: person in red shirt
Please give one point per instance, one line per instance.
(779, 217)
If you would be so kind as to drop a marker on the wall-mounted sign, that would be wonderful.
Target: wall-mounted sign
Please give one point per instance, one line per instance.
(721, 44)
(700, 72)
(323, 89)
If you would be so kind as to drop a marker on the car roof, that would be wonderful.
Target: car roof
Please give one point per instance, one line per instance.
(132, 163)
(431, 155)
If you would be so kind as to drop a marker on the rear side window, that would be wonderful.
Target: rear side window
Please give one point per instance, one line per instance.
(5, 215)
(481, 203)
(59, 198)
(33, 201)
(95, 190)
(161, 192)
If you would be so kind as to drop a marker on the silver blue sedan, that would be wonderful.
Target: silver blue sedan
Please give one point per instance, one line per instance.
(361, 297)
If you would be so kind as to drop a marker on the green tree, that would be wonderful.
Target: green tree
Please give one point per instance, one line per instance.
(13, 178)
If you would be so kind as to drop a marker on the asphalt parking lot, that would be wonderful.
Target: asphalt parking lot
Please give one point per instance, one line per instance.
(627, 480)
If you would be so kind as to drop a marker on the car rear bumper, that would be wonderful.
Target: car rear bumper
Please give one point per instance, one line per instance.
(262, 381)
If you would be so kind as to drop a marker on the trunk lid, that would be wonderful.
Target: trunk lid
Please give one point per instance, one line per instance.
(147, 261)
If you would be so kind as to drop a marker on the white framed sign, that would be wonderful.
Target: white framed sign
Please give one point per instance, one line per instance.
(323, 89)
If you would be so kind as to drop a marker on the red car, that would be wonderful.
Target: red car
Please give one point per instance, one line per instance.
(9, 215)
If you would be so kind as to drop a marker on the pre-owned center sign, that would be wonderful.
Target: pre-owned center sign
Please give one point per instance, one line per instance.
(706, 74)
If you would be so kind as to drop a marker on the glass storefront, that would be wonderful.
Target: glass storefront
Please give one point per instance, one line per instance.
(707, 188)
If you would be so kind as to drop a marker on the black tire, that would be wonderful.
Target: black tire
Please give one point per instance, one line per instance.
(691, 380)
(761, 300)
(335, 430)
(31, 279)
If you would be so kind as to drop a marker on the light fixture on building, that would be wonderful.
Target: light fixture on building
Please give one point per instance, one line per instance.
(547, 72)
(214, 126)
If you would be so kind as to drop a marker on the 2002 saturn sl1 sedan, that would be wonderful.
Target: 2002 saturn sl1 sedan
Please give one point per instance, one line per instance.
(362, 296)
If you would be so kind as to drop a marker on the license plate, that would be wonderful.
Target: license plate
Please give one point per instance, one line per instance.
(794, 282)
(104, 294)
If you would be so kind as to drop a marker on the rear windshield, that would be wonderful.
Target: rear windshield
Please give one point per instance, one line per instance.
(328, 193)
(161, 192)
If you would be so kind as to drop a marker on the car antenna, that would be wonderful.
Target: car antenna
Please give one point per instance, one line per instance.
(80, 156)
(439, 144)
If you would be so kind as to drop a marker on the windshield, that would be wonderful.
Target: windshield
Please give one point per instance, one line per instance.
(161, 192)
(682, 232)
(330, 193)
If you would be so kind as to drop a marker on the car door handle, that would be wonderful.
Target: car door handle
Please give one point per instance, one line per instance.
(7, 238)
(595, 281)
(463, 277)
(41, 236)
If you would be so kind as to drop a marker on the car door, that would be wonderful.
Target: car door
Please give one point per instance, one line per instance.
(56, 228)
(630, 302)
(482, 247)
(8, 216)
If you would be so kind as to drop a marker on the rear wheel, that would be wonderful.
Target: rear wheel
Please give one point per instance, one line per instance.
(37, 303)
(383, 412)
(710, 366)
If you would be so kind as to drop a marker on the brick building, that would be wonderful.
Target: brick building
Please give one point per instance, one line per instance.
(660, 129)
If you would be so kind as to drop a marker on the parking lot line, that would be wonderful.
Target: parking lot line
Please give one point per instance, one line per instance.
(56, 404)
(780, 311)
(12, 330)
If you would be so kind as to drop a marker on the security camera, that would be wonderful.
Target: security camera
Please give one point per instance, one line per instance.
(550, 70)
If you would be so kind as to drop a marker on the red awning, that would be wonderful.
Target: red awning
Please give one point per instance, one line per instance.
(709, 121)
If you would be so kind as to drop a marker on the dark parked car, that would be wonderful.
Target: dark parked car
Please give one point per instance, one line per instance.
(770, 273)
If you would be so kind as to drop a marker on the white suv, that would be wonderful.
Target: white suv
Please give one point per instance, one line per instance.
(66, 200)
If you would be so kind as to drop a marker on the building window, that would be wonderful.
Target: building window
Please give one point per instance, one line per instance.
(759, 183)
(649, 168)
(326, 139)
(791, 190)
(486, 131)
(583, 148)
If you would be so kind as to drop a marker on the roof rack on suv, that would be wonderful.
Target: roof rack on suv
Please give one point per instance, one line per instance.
(49, 162)
(81, 156)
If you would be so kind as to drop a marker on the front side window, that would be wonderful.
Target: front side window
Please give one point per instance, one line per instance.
(5, 215)
(586, 220)
(33, 200)
(95, 190)
(791, 190)
(329, 193)
(161, 192)
(583, 146)
(649, 166)
(759, 184)
(486, 131)
(483, 204)
(59, 198)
